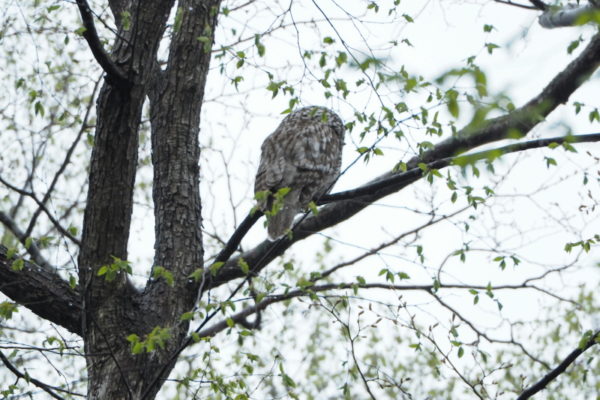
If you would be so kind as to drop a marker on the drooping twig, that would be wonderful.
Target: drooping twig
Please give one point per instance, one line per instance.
(45, 387)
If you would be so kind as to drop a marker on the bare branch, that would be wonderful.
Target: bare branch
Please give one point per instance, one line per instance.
(66, 160)
(45, 387)
(483, 334)
(31, 248)
(311, 290)
(32, 195)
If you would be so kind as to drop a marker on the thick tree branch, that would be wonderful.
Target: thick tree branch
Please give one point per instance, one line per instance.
(114, 73)
(373, 188)
(176, 96)
(568, 15)
(521, 120)
(560, 368)
(42, 291)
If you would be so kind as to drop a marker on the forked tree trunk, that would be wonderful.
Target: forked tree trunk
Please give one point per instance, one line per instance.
(113, 309)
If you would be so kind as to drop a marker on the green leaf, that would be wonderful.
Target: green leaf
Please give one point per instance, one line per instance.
(11, 252)
(126, 20)
(207, 41)
(7, 309)
(215, 267)
(18, 265)
(72, 281)
(491, 47)
(452, 103)
(197, 274)
(178, 19)
(187, 316)
(244, 266)
(133, 338)
(574, 44)
(137, 348)
(454, 197)
(288, 381)
(549, 161)
(161, 272)
(403, 275)
(328, 40)
(312, 206)
(260, 48)
(39, 109)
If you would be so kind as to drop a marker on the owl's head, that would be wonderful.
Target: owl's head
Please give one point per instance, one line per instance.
(320, 115)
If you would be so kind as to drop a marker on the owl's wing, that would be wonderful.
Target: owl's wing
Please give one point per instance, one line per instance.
(271, 167)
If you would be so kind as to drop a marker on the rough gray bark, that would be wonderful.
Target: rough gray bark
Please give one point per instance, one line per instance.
(113, 310)
(42, 291)
(569, 15)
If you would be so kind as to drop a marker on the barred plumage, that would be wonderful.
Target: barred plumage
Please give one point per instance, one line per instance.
(303, 154)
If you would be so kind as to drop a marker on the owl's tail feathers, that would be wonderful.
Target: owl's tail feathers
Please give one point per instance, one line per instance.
(281, 222)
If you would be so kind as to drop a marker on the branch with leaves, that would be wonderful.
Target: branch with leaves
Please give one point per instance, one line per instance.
(520, 121)
(589, 340)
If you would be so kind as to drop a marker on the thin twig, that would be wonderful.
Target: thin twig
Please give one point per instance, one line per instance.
(32, 195)
(46, 388)
(510, 3)
(66, 161)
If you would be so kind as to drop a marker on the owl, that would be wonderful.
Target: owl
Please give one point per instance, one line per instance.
(299, 162)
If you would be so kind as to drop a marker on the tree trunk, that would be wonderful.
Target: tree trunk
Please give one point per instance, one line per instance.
(112, 309)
